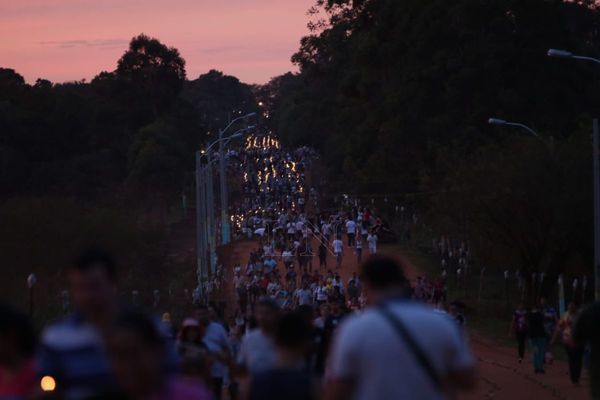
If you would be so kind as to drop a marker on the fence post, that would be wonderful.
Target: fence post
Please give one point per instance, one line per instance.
(480, 285)
(507, 290)
(561, 296)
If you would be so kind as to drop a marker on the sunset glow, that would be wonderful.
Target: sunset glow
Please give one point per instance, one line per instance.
(66, 40)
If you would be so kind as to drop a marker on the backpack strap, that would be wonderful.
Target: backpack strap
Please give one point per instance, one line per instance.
(412, 345)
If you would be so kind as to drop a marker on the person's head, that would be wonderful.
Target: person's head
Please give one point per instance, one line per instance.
(136, 350)
(192, 330)
(542, 301)
(307, 312)
(200, 313)
(336, 309)
(572, 307)
(383, 275)
(452, 309)
(17, 337)
(325, 310)
(267, 313)
(293, 334)
(92, 279)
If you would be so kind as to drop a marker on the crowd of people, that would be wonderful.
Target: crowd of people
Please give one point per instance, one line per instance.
(301, 327)
(543, 327)
(106, 351)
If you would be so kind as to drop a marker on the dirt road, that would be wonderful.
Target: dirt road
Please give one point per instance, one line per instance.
(501, 377)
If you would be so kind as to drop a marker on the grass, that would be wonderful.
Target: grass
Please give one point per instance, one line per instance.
(486, 314)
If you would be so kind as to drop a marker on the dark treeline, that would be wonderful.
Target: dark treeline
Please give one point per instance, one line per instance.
(104, 162)
(396, 95)
(130, 131)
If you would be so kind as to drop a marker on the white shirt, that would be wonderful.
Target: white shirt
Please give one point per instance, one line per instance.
(372, 239)
(304, 296)
(216, 341)
(338, 246)
(350, 226)
(257, 352)
(321, 293)
(368, 350)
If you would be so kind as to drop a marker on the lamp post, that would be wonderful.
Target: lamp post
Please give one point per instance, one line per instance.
(200, 219)
(501, 122)
(556, 53)
(205, 213)
(596, 165)
(31, 281)
(222, 178)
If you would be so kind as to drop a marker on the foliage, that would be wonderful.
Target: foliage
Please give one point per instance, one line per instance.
(128, 134)
(389, 84)
(42, 236)
(397, 93)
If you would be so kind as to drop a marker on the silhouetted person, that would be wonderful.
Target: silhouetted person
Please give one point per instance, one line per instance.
(17, 345)
(290, 378)
(397, 349)
(137, 349)
(73, 350)
(587, 331)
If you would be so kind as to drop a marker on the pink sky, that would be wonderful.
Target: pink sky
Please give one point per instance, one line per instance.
(66, 40)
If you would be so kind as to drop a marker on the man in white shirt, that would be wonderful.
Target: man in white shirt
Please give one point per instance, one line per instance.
(372, 241)
(397, 349)
(303, 295)
(338, 250)
(351, 231)
(257, 350)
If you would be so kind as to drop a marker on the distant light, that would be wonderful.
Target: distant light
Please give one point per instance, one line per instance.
(48, 384)
(260, 104)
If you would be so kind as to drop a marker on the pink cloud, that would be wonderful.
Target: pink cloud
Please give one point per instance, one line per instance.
(73, 39)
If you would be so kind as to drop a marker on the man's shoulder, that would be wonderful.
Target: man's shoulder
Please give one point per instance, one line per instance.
(411, 313)
(70, 333)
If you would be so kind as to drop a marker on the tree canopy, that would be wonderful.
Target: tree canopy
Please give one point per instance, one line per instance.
(396, 95)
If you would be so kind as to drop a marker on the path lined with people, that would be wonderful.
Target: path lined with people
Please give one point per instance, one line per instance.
(306, 304)
(288, 239)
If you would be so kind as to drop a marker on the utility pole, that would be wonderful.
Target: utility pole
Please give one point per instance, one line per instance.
(210, 216)
(200, 224)
(596, 164)
(223, 190)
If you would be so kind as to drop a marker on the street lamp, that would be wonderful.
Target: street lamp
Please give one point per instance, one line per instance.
(567, 54)
(31, 281)
(205, 213)
(222, 178)
(596, 165)
(498, 121)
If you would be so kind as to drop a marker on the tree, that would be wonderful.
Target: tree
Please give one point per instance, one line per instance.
(386, 83)
(154, 71)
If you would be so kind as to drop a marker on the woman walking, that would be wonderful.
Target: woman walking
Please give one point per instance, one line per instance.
(518, 328)
(574, 352)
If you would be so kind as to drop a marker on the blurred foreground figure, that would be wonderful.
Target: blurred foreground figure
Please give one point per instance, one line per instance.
(137, 349)
(587, 332)
(72, 352)
(290, 378)
(17, 344)
(397, 349)
(257, 351)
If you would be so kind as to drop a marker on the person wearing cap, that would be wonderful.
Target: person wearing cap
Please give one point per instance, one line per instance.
(192, 350)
